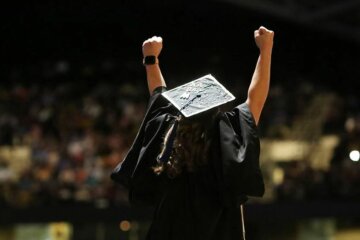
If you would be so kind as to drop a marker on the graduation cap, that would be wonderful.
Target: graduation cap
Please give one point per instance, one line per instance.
(190, 99)
(198, 96)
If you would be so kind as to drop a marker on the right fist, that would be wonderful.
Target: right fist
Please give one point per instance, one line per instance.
(152, 46)
(264, 38)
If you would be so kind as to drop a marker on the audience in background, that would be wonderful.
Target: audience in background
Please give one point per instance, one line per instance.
(71, 127)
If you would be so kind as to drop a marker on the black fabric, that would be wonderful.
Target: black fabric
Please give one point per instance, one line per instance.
(124, 170)
(203, 204)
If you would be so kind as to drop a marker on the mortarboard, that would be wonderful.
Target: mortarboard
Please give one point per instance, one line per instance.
(190, 99)
(198, 95)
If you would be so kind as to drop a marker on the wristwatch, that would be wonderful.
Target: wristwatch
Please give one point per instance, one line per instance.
(150, 60)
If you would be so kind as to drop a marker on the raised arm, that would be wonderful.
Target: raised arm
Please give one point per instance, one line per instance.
(259, 86)
(152, 47)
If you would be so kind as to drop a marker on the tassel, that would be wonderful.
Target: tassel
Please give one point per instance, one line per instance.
(170, 136)
(242, 221)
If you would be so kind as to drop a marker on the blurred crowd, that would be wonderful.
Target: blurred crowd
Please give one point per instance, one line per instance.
(76, 132)
(73, 126)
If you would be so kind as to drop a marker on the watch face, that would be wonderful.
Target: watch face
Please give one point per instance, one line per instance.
(149, 60)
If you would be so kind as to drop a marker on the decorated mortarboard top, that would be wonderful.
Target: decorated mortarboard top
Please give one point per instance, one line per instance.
(198, 95)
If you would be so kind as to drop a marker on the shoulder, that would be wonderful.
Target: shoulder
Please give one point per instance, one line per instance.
(241, 115)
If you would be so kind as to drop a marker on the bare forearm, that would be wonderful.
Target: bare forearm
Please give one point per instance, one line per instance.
(154, 77)
(152, 48)
(259, 86)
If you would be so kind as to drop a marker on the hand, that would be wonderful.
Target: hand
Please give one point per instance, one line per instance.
(264, 39)
(152, 46)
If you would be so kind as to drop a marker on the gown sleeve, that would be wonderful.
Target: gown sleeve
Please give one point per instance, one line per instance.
(124, 170)
(240, 151)
(135, 171)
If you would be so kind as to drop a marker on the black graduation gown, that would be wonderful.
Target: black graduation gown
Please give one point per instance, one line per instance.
(203, 204)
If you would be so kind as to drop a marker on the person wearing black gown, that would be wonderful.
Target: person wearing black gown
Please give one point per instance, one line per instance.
(214, 164)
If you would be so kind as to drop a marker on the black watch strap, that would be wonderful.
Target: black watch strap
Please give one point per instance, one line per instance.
(150, 60)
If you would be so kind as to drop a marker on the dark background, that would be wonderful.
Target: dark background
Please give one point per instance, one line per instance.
(200, 37)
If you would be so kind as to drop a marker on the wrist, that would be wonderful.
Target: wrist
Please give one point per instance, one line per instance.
(152, 68)
(266, 48)
(266, 51)
(150, 60)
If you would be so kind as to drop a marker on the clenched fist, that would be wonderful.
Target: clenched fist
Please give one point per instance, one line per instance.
(264, 38)
(152, 46)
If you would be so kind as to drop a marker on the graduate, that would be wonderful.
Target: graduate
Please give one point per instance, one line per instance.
(193, 162)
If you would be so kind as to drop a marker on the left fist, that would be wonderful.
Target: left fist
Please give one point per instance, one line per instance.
(152, 46)
(264, 38)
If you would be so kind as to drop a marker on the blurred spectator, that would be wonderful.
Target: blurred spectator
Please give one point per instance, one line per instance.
(79, 121)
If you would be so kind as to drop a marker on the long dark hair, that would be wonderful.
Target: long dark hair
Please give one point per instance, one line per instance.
(191, 145)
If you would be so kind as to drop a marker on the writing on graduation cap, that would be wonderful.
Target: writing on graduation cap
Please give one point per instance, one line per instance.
(198, 95)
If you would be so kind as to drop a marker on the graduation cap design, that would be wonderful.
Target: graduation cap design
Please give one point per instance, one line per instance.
(198, 96)
(190, 99)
